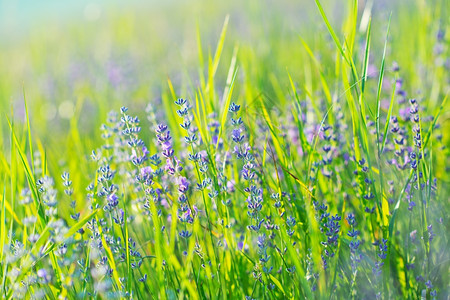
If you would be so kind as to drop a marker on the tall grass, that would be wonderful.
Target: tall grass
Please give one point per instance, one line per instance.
(292, 164)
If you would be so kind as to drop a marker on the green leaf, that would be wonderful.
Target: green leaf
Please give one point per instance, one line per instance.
(80, 224)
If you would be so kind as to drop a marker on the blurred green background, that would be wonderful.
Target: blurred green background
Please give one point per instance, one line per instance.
(77, 60)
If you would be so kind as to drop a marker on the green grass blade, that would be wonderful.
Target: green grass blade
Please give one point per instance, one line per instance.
(30, 142)
(74, 228)
(366, 58)
(331, 31)
(380, 83)
(388, 120)
(227, 96)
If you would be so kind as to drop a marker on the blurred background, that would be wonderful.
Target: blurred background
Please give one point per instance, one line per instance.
(77, 60)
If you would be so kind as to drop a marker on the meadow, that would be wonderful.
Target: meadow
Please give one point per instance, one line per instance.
(225, 150)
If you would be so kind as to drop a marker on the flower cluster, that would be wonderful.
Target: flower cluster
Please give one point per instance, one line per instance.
(331, 228)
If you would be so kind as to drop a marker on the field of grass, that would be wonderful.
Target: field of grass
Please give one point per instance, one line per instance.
(225, 150)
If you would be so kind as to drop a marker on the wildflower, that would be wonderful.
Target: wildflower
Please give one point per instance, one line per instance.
(183, 185)
(234, 108)
(382, 254)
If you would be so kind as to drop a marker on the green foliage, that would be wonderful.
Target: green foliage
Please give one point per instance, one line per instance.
(318, 117)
